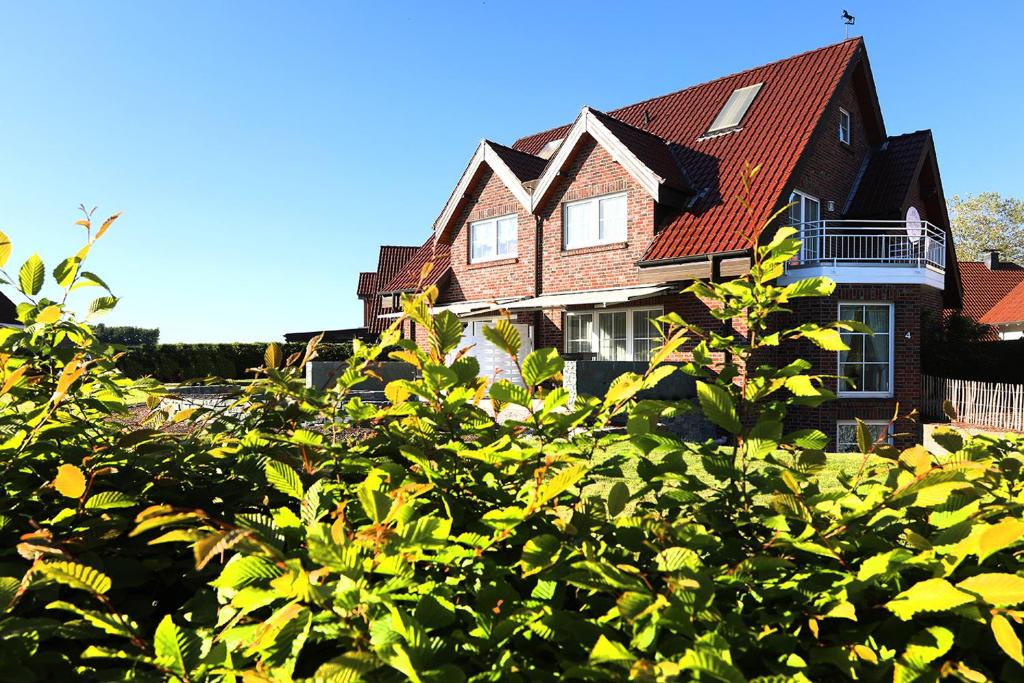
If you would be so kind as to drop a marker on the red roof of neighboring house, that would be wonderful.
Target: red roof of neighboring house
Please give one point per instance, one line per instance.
(409, 277)
(391, 260)
(891, 169)
(367, 285)
(774, 134)
(984, 288)
(1010, 308)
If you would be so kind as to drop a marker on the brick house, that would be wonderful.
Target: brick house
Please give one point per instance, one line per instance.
(994, 295)
(586, 232)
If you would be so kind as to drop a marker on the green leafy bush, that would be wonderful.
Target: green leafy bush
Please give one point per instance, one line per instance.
(127, 335)
(183, 362)
(301, 534)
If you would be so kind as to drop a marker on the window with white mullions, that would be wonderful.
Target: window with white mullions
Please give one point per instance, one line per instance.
(620, 334)
(846, 435)
(590, 222)
(494, 238)
(844, 126)
(868, 363)
(804, 215)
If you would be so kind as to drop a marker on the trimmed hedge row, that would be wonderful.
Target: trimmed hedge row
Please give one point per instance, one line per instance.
(182, 362)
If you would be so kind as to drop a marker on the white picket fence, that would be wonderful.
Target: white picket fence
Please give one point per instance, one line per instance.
(983, 404)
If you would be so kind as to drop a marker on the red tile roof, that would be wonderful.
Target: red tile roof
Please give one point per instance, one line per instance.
(408, 279)
(655, 152)
(391, 260)
(367, 285)
(774, 134)
(1009, 309)
(984, 288)
(891, 169)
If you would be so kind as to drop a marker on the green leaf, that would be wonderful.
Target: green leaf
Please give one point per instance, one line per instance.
(504, 336)
(446, 333)
(718, 407)
(375, 503)
(825, 338)
(606, 650)
(242, 571)
(284, 478)
(66, 270)
(930, 595)
(1000, 590)
(347, 668)
(542, 365)
(30, 277)
(114, 624)
(539, 553)
(504, 391)
(711, 664)
(1007, 638)
(90, 280)
(560, 483)
(623, 388)
(5, 249)
(865, 440)
(812, 286)
(102, 304)
(618, 496)
(76, 575)
(106, 500)
(176, 648)
(928, 645)
(999, 536)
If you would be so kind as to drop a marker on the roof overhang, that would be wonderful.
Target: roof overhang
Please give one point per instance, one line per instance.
(465, 309)
(599, 297)
(484, 154)
(589, 124)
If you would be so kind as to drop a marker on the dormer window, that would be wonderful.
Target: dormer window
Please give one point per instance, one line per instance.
(844, 127)
(734, 110)
(494, 238)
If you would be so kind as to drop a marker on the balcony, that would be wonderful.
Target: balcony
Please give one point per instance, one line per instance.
(874, 252)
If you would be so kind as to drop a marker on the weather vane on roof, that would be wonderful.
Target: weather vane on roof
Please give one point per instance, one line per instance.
(849, 20)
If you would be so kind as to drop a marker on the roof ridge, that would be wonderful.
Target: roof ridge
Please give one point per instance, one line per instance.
(512, 149)
(922, 131)
(806, 53)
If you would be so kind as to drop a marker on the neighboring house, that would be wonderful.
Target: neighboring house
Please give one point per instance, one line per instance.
(587, 232)
(390, 261)
(994, 295)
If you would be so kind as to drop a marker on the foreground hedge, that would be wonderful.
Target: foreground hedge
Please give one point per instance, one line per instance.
(181, 362)
(447, 547)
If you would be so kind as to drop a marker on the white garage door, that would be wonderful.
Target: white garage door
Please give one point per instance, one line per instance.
(495, 363)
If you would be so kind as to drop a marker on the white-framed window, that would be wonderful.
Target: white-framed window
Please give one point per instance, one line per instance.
(734, 109)
(494, 238)
(579, 333)
(613, 334)
(599, 220)
(869, 361)
(845, 130)
(803, 209)
(846, 434)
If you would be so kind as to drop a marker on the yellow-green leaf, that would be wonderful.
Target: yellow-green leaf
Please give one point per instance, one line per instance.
(996, 589)
(70, 481)
(76, 575)
(999, 536)
(273, 356)
(5, 249)
(31, 275)
(48, 315)
(931, 595)
(1007, 638)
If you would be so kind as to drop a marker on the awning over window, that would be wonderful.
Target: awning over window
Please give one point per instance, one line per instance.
(600, 297)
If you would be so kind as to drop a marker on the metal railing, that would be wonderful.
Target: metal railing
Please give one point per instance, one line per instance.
(861, 242)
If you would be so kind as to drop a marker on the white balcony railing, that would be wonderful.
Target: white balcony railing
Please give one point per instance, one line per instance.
(862, 243)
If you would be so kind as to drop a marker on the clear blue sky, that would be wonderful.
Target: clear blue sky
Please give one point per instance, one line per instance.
(262, 151)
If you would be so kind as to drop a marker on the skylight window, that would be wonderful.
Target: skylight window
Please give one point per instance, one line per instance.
(547, 150)
(734, 110)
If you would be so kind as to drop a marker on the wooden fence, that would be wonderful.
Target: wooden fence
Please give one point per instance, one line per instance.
(982, 404)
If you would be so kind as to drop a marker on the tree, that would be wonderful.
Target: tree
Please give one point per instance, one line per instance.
(127, 335)
(987, 221)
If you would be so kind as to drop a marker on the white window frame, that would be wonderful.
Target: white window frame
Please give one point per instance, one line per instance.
(800, 199)
(844, 117)
(853, 423)
(735, 122)
(595, 333)
(492, 224)
(597, 239)
(843, 388)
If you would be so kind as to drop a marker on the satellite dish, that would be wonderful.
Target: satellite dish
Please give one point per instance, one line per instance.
(915, 230)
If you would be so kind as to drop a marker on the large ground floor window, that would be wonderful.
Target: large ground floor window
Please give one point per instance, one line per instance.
(869, 362)
(616, 334)
(846, 434)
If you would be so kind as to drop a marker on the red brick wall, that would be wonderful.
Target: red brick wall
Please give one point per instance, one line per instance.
(505, 277)
(591, 174)
(829, 167)
(910, 301)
